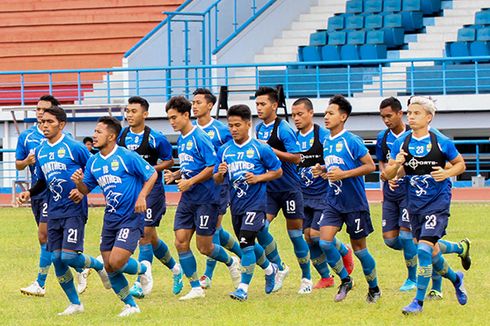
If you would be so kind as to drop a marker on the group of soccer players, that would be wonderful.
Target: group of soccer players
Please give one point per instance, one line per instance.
(314, 175)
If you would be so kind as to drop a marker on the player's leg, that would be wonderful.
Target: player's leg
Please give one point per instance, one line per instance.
(461, 248)
(265, 238)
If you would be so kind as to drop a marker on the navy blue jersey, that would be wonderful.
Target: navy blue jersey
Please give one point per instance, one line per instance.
(312, 187)
(56, 163)
(121, 175)
(345, 151)
(196, 152)
(217, 131)
(290, 180)
(251, 156)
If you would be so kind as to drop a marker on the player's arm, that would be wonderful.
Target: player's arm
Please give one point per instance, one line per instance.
(219, 176)
(456, 167)
(395, 166)
(77, 178)
(287, 157)
(367, 166)
(36, 189)
(204, 175)
(165, 154)
(140, 205)
(164, 165)
(264, 177)
(169, 176)
(29, 160)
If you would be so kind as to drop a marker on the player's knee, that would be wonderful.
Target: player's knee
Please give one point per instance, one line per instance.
(205, 248)
(326, 245)
(181, 246)
(56, 257)
(116, 263)
(68, 257)
(393, 243)
(42, 237)
(247, 238)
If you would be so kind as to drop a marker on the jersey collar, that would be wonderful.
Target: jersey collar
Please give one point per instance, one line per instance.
(337, 135)
(245, 143)
(57, 142)
(134, 133)
(308, 132)
(109, 155)
(206, 125)
(270, 123)
(189, 133)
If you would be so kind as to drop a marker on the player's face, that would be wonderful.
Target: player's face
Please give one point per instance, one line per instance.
(418, 117)
(265, 108)
(333, 117)
(239, 128)
(177, 120)
(102, 136)
(391, 118)
(302, 117)
(200, 106)
(50, 126)
(135, 115)
(40, 107)
(89, 146)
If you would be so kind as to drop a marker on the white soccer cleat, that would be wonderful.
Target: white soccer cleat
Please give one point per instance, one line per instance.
(82, 280)
(103, 275)
(235, 272)
(129, 310)
(34, 289)
(72, 309)
(280, 277)
(306, 286)
(146, 279)
(194, 293)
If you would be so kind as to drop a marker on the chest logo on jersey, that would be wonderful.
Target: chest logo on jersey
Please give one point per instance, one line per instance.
(311, 141)
(61, 152)
(250, 153)
(339, 146)
(114, 165)
(211, 134)
(429, 147)
(189, 145)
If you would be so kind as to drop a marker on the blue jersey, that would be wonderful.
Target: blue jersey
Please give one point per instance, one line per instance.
(424, 193)
(217, 131)
(196, 152)
(121, 175)
(251, 156)
(56, 163)
(312, 187)
(290, 180)
(345, 151)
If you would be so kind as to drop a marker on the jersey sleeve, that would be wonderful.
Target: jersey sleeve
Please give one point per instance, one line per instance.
(81, 155)
(37, 168)
(322, 134)
(357, 147)
(219, 158)
(269, 158)
(397, 145)
(448, 148)
(225, 135)
(288, 137)
(21, 151)
(379, 150)
(139, 166)
(164, 148)
(207, 151)
(88, 178)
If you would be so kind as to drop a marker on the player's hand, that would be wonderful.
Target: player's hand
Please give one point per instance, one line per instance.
(168, 176)
(23, 197)
(75, 195)
(251, 178)
(317, 170)
(393, 184)
(140, 206)
(77, 176)
(439, 174)
(223, 168)
(324, 176)
(335, 174)
(184, 184)
(31, 158)
(400, 157)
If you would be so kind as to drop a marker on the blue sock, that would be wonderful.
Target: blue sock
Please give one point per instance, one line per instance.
(368, 266)
(65, 278)
(146, 253)
(248, 264)
(260, 257)
(80, 260)
(132, 267)
(210, 262)
(267, 242)
(436, 281)
(334, 259)
(228, 242)
(394, 243)
(121, 288)
(410, 254)
(219, 253)
(44, 264)
(318, 258)
(163, 254)
(424, 252)
(448, 247)
(442, 268)
(342, 248)
(301, 251)
(189, 266)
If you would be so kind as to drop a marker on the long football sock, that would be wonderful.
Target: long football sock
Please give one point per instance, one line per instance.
(44, 264)
(410, 254)
(318, 258)
(189, 266)
(368, 266)
(424, 252)
(334, 259)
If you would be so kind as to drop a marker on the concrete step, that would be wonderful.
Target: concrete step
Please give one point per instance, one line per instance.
(291, 41)
(276, 58)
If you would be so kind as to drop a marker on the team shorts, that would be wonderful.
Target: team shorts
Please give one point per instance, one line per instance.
(66, 233)
(358, 223)
(313, 209)
(429, 225)
(124, 237)
(40, 210)
(291, 203)
(250, 221)
(200, 217)
(224, 199)
(395, 215)
(156, 208)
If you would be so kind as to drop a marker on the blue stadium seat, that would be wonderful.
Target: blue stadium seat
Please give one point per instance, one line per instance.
(373, 22)
(480, 48)
(373, 6)
(330, 53)
(320, 37)
(482, 17)
(458, 49)
(375, 47)
(336, 38)
(310, 53)
(392, 5)
(412, 20)
(394, 30)
(351, 50)
(354, 7)
(335, 23)
(483, 34)
(428, 7)
(466, 34)
(354, 22)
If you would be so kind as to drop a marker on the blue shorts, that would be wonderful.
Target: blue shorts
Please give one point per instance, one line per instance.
(250, 221)
(224, 199)
(199, 217)
(358, 223)
(156, 208)
(429, 225)
(291, 203)
(66, 233)
(40, 210)
(124, 237)
(313, 209)
(395, 215)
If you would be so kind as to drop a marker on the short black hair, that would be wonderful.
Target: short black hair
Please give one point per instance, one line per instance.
(111, 123)
(58, 112)
(270, 92)
(86, 139)
(343, 104)
(207, 94)
(305, 101)
(179, 103)
(139, 100)
(240, 110)
(50, 98)
(392, 102)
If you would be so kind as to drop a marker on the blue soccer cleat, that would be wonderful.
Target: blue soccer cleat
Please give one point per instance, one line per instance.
(409, 285)
(178, 283)
(270, 280)
(239, 295)
(137, 291)
(413, 308)
(460, 290)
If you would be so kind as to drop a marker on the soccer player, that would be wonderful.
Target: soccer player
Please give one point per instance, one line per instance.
(151, 146)
(126, 180)
(422, 156)
(56, 160)
(246, 165)
(89, 143)
(202, 104)
(310, 137)
(283, 193)
(198, 207)
(347, 160)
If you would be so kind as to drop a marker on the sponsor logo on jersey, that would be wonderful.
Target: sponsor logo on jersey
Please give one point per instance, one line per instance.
(189, 145)
(114, 165)
(250, 153)
(339, 146)
(211, 134)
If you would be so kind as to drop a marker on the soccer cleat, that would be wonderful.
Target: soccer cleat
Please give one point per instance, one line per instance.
(325, 282)
(137, 291)
(409, 285)
(344, 288)
(239, 295)
(280, 277)
(178, 283)
(82, 280)
(146, 279)
(270, 280)
(72, 309)
(348, 261)
(465, 255)
(306, 286)
(373, 297)
(103, 275)
(194, 293)
(205, 282)
(413, 308)
(235, 271)
(34, 289)
(461, 294)
(129, 310)
(434, 295)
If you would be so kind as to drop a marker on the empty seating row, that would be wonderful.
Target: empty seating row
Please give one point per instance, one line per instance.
(410, 21)
(473, 40)
(391, 37)
(428, 7)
